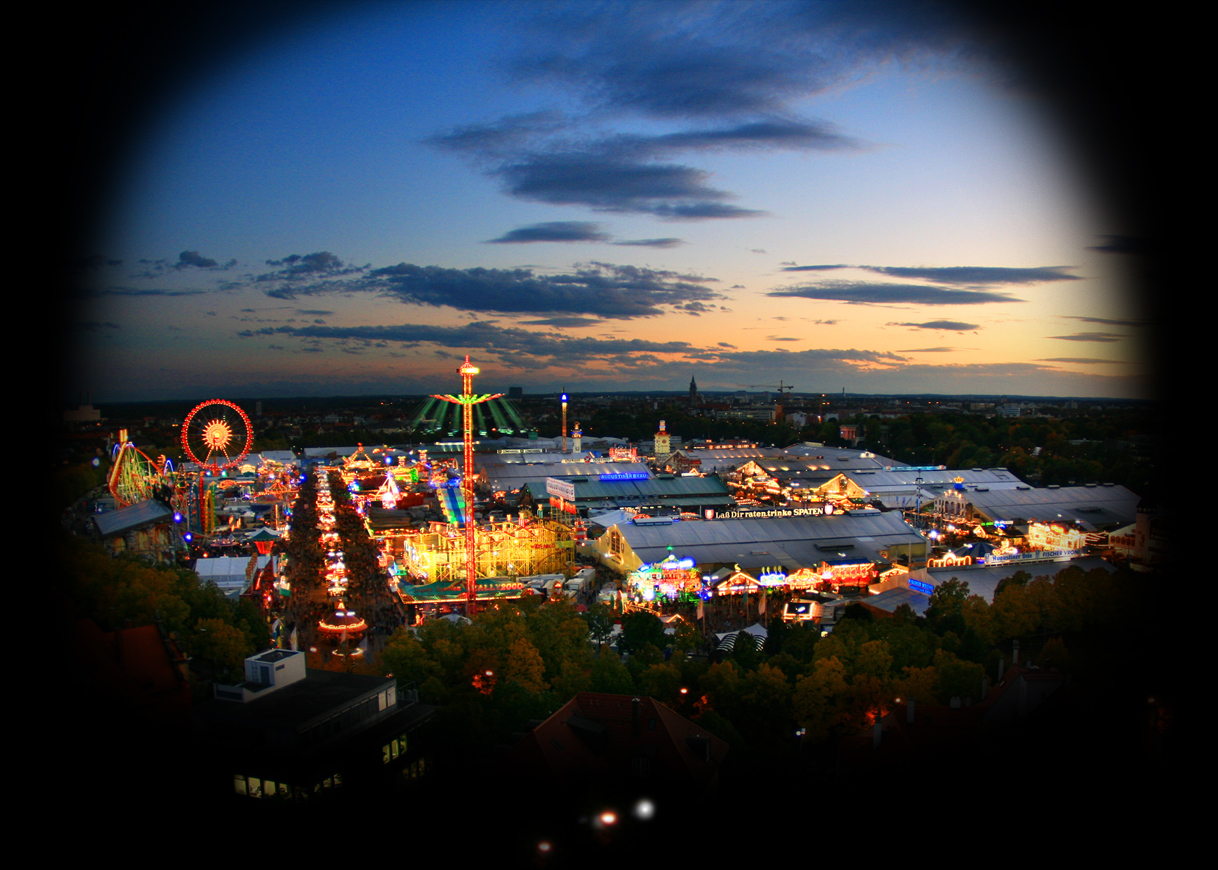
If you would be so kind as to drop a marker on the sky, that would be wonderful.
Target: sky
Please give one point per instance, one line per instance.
(865, 197)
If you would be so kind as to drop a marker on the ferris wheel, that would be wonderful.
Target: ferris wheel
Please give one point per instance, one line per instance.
(217, 435)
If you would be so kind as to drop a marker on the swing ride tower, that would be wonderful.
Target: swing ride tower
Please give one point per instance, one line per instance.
(467, 400)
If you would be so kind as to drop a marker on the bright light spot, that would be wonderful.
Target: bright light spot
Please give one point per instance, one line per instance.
(608, 818)
(543, 846)
(644, 809)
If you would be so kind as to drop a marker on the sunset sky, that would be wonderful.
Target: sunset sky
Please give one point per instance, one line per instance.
(606, 196)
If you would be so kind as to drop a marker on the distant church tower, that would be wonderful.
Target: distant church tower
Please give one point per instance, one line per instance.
(693, 391)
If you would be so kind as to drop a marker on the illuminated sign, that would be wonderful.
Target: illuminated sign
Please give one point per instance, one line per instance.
(561, 488)
(610, 476)
(774, 513)
(920, 586)
(949, 561)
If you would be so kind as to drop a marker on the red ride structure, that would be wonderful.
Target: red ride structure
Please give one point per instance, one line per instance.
(217, 435)
(467, 400)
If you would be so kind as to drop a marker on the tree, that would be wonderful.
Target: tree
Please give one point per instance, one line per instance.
(405, 658)
(820, 699)
(610, 675)
(640, 627)
(525, 667)
(219, 643)
(945, 611)
(662, 682)
(957, 677)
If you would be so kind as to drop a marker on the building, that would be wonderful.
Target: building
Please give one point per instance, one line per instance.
(1092, 508)
(618, 740)
(783, 539)
(291, 734)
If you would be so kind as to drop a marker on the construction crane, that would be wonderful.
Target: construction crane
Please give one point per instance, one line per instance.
(780, 387)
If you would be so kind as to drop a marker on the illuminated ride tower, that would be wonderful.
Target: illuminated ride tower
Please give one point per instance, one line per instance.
(564, 397)
(467, 400)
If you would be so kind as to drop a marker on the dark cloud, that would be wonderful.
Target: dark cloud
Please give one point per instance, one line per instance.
(518, 348)
(94, 326)
(953, 325)
(525, 350)
(1091, 336)
(535, 161)
(508, 135)
(187, 259)
(1082, 360)
(1120, 245)
(562, 322)
(313, 312)
(929, 350)
(978, 276)
(593, 289)
(131, 291)
(1108, 322)
(590, 290)
(781, 338)
(96, 261)
(554, 231)
(301, 274)
(702, 211)
(863, 293)
(963, 276)
(769, 133)
(651, 243)
(666, 190)
(684, 61)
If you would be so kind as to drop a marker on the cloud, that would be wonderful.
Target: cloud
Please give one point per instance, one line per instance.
(522, 347)
(554, 231)
(1120, 245)
(553, 158)
(313, 312)
(1090, 336)
(305, 274)
(651, 243)
(132, 291)
(593, 289)
(562, 322)
(94, 325)
(953, 325)
(1082, 360)
(525, 350)
(781, 338)
(864, 293)
(611, 184)
(963, 276)
(1108, 322)
(187, 259)
(929, 350)
(588, 290)
(95, 261)
(683, 61)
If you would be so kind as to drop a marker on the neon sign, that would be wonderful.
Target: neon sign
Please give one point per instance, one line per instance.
(610, 476)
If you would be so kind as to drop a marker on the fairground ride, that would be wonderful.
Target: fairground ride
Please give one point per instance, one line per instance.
(467, 400)
(498, 414)
(134, 477)
(216, 435)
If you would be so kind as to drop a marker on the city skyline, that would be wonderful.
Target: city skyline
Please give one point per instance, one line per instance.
(598, 198)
